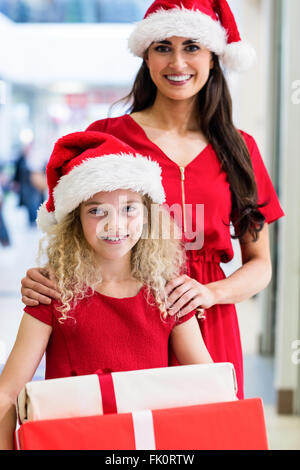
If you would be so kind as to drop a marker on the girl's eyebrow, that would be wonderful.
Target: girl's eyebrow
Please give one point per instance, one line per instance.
(98, 203)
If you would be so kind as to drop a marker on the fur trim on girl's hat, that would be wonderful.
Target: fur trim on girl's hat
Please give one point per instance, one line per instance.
(84, 163)
(211, 22)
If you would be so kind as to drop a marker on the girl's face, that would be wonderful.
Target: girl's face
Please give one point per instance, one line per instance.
(112, 222)
(179, 67)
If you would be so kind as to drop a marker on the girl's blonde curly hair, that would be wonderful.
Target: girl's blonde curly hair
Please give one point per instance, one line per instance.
(156, 258)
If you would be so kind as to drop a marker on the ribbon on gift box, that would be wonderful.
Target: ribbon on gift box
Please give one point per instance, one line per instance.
(142, 420)
(109, 403)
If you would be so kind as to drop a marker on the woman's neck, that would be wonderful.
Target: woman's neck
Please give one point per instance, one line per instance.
(176, 115)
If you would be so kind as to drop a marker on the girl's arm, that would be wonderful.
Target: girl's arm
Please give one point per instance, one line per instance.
(188, 344)
(28, 350)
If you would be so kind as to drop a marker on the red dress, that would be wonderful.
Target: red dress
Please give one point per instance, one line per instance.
(106, 332)
(204, 182)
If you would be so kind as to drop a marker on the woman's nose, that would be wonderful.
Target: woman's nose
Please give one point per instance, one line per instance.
(177, 61)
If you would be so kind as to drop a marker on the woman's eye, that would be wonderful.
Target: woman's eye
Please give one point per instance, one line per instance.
(162, 49)
(192, 48)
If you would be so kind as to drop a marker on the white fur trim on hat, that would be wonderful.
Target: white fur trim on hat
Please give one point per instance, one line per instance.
(45, 219)
(107, 173)
(178, 21)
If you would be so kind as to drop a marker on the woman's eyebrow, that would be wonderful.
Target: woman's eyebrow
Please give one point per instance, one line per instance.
(169, 43)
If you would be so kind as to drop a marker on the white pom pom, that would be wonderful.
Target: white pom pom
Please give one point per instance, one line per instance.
(45, 219)
(238, 56)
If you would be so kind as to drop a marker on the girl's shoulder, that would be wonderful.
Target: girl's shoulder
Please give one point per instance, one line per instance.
(41, 312)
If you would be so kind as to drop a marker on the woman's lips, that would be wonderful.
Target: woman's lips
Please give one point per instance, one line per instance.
(178, 80)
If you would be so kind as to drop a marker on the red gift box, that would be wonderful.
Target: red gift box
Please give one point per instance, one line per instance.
(238, 425)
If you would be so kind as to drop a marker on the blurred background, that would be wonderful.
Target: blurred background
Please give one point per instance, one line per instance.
(63, 63)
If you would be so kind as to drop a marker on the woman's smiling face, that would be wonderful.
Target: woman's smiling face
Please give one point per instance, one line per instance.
(179, 67)
(112, 222)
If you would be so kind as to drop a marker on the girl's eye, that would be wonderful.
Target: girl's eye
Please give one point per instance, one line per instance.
(97, 211)
(130, 209)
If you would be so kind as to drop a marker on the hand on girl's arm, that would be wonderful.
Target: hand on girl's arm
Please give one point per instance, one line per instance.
(188, 344)
(28, 350)
(38, 287)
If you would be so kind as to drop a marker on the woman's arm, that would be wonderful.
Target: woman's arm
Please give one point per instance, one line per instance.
(28, 350)
(38, 287)
(251, 278)
(188, 344)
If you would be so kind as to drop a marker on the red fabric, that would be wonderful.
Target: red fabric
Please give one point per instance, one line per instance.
(106, 333)
(205, 183)
(73, 149)
(227, 20)
(237, 425)
(204, 6)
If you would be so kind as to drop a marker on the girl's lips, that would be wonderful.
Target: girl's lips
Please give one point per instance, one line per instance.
(115, 242)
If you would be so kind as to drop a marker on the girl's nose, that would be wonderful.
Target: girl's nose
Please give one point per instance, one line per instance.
(115, 223)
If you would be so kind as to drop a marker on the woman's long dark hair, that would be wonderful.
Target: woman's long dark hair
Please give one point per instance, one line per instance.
(215, 121)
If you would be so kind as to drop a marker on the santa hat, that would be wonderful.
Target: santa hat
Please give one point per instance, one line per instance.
(84, 163)
(211, 22)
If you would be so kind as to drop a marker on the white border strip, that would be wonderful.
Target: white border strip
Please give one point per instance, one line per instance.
(143, 430)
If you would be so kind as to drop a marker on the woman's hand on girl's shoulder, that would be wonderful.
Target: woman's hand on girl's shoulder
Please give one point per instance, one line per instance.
(38, 286)
(186, 294)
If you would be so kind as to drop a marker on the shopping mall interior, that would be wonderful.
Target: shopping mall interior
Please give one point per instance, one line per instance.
(65, 64)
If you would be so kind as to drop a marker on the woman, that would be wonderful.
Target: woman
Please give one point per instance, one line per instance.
(181, 117)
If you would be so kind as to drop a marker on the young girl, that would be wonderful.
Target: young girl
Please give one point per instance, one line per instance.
(112, 257)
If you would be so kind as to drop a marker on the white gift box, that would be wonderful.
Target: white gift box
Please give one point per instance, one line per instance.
(137, 390)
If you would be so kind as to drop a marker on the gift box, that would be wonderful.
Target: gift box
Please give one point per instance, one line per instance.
(123, 392)
(237, 425)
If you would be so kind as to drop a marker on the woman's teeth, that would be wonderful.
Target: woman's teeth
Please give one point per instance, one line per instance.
(179, 78)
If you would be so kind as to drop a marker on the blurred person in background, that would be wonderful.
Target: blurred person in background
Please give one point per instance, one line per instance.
(31, 194)
(4, 236)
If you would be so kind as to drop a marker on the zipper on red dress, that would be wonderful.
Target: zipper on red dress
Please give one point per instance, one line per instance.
(183, 197)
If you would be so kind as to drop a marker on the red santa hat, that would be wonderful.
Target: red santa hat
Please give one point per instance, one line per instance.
(210, 22)
(84, 163)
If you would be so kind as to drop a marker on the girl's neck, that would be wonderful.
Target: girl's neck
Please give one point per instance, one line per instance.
(116, 270)
(117, 280)
(174, 115)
